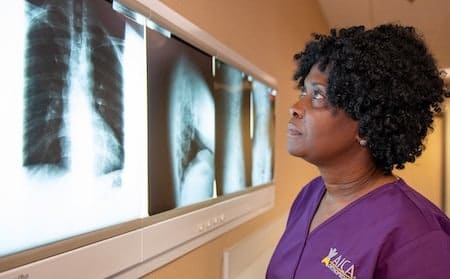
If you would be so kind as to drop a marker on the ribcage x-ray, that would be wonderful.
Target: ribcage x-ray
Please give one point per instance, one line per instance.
(73, 83)
(76, 97)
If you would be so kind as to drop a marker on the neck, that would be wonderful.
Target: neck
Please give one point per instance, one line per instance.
(345, 186)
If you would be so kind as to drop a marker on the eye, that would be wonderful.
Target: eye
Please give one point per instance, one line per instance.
(317, 95)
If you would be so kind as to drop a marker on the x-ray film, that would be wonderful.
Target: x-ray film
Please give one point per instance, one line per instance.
(73, 120)
(263, 129)
(232, 90)
(244, 130)
(106, 121)
(181, 124)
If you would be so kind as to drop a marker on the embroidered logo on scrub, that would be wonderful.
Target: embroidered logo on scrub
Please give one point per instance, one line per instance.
(339, 265)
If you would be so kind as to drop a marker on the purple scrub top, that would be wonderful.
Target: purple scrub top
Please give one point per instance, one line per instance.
(391, 232)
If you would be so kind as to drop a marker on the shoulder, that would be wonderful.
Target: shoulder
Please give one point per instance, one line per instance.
(418, 234)
(408, 208)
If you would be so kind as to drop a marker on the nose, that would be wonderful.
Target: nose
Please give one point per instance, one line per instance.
(296, 111)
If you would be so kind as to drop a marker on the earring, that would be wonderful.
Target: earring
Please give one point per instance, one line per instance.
(363, 142)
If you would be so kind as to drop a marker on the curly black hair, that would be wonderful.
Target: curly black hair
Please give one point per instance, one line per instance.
(386, 79)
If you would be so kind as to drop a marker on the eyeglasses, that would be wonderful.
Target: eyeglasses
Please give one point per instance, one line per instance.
(318, 95)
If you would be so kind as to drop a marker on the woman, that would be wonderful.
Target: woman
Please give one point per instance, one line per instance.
(366, 104)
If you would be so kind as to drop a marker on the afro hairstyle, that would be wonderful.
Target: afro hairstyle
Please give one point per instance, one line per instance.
(386, 79)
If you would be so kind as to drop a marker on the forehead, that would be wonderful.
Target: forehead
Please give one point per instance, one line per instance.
(316, 76)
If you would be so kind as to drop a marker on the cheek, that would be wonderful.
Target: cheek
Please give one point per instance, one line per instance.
(317, 131)
(327, 133)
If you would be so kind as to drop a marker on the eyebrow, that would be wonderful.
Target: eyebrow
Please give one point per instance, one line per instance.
(318, 83)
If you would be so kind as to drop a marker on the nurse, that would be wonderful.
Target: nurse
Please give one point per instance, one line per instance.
(366, 103)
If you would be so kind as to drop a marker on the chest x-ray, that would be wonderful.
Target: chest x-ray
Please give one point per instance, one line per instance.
(73, 117)
(181, 124)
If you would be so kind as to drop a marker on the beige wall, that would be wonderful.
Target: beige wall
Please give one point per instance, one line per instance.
(267, 33)
(426, 174)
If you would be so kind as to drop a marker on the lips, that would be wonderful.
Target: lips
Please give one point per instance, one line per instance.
(292, 130)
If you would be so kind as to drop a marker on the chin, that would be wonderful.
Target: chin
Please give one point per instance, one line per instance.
(295, 152)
